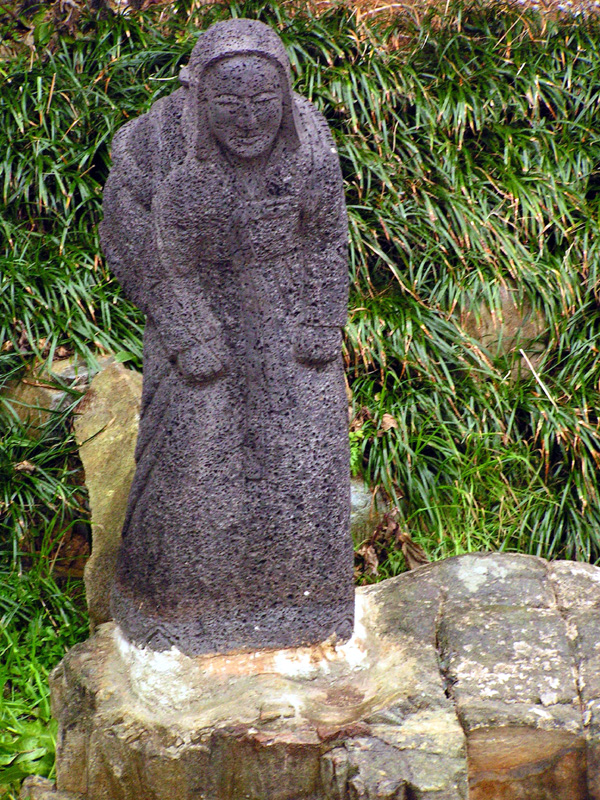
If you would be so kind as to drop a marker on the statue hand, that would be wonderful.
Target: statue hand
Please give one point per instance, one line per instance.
(201, 363)
(317, 344)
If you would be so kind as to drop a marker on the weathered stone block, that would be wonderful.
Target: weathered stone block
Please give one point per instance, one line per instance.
(525, 764)
(519, 657)
(509, 327)
(418, 699)
(44, 391)
(485, 580)
(366, 510)
(106, 427)
(577, 593)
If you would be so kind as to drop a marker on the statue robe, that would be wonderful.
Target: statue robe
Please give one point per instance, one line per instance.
(237, 531)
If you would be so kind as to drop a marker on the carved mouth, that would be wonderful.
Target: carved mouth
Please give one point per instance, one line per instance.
(250, 139)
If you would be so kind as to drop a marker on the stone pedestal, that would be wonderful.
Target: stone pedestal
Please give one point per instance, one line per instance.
(475, 677)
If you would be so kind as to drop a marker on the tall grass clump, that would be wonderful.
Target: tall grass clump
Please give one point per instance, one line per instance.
(473, 167)
(40, 618)
(41, 605)
(470, 150)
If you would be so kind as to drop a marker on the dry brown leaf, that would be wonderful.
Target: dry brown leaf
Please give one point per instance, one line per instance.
(23, 343)
(389, 532)
(367, 551)
(387, 423)
(413, 553)
(387, 536)
(25, 466)
(349, 393)
(360, 417)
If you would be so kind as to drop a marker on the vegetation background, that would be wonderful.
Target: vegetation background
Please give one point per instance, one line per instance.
(470, 146)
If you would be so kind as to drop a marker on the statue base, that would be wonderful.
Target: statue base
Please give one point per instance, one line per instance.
(477, 676)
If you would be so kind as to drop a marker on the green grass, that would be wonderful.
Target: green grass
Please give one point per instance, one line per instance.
(471, 158)
(40, 619)
(41, 615)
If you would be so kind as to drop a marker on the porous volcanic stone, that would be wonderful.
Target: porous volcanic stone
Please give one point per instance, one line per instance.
(225, 222)
(425, 702)
(106, 427)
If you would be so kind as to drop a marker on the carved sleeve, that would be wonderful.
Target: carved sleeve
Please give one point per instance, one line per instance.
(126, 231)
(145, 243)
(187, 320)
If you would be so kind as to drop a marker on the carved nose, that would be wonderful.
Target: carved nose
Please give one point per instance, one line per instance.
(249, 115)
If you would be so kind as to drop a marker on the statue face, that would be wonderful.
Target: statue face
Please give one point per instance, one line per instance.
(245, 104)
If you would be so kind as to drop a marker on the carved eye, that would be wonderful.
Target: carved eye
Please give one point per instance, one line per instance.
(265, 98)
(228, 102)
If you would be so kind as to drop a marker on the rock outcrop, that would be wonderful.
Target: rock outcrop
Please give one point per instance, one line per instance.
(473, 677)
(46, 390)
(106, 428)
(513, 330)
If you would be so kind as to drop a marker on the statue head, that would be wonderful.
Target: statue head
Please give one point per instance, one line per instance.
(244, 104)
(239, 83)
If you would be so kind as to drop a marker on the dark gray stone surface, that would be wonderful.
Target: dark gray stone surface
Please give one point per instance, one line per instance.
(225, 222)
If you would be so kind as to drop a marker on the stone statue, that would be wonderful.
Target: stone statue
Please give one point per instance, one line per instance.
(225, 223)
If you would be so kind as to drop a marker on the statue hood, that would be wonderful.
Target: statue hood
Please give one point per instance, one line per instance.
(236, 37)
